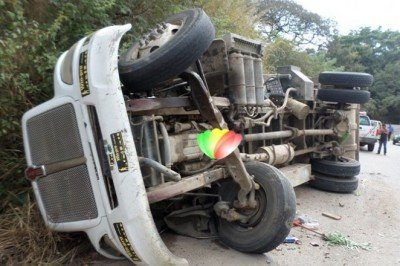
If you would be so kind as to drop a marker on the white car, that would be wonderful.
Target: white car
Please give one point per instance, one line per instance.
(368, 131)
(377, 125)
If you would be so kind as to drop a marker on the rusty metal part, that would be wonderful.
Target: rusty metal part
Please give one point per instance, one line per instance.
(167, 145)
(273, 155)
(259, 81)
(34, 172)
(172, 189)
(278, 154)
(287, 134)
(211, 113)
(237, 83)
(239, 174)
(223, 210)
(148, 106)
(297, 173)
(299, 109)
(215, 59)
(305, 151)
(168, 173)
(249, 80)
(184, 147)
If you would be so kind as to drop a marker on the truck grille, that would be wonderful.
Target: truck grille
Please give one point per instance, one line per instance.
(53, 136)
(68, 196)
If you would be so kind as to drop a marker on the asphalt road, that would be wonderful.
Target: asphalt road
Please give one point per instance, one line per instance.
(370, 215)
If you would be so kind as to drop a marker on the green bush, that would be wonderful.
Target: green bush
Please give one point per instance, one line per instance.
(33, 35)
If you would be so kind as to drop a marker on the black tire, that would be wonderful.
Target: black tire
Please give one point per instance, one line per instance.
(342, 168)
(269, 226)
(371, 147)
(172, 58)
(343, 96)
(332, 184)
(346, 79)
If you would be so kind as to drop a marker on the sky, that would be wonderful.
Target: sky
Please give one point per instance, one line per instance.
(354, 14)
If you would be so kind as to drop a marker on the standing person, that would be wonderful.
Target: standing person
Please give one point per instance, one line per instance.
(383, 134)
(390, 131)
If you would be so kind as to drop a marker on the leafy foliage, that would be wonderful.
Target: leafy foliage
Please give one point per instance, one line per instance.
(285, 18)
(376, 52)
(283, 52)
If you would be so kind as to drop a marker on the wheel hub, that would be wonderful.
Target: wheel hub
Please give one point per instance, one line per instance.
(156, 38)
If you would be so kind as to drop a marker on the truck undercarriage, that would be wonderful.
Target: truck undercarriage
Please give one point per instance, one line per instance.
(122, 162)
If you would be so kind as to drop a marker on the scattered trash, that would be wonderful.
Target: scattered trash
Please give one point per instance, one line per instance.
(290, 239)
(333, 216)
(341, 204)
(357, 193)
(305, 219)
(314, 244)
(278, 249)
(338, 239)
(312, 225)
(297, 222)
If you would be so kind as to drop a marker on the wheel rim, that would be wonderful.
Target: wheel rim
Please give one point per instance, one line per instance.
(155, 39)
(256, 214)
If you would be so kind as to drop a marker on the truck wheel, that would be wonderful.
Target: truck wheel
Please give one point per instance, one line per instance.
(270, 223)
(167, 51)
(345, 79)
(343, 96)
(334, 184)
(371, 147)
(341, 168)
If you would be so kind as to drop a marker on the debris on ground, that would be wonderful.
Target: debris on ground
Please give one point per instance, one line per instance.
(332, 216)
(333, 239)
(338, 239)
(290, 239)
(299, 222)
(312, 225)
(341, 204)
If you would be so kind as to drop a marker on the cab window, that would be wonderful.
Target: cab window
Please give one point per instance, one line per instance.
(364, 121)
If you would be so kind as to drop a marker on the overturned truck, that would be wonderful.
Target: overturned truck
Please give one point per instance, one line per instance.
(116, 152)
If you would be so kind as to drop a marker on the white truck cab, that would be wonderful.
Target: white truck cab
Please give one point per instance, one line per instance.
(367, 131)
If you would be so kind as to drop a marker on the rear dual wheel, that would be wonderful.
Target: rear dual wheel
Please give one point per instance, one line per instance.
(270, 221)
(334, 184)
(343, 87)
(335, 175)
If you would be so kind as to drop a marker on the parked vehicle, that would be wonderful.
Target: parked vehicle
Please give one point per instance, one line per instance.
(122, 161)
(376, 126)
(367, 132)
(396, 139)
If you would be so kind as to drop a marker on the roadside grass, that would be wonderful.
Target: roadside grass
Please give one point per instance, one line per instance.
(24, 239)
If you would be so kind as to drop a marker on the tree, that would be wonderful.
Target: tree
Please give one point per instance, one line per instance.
(376, 52)
(283, 52)
(285, 18)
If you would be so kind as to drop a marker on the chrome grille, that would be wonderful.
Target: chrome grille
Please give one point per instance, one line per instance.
(68, 196)
(54, 136)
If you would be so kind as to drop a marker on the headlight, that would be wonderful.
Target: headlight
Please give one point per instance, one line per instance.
(66, 66)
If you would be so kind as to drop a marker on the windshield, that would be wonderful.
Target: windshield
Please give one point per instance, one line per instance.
(364, 121)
